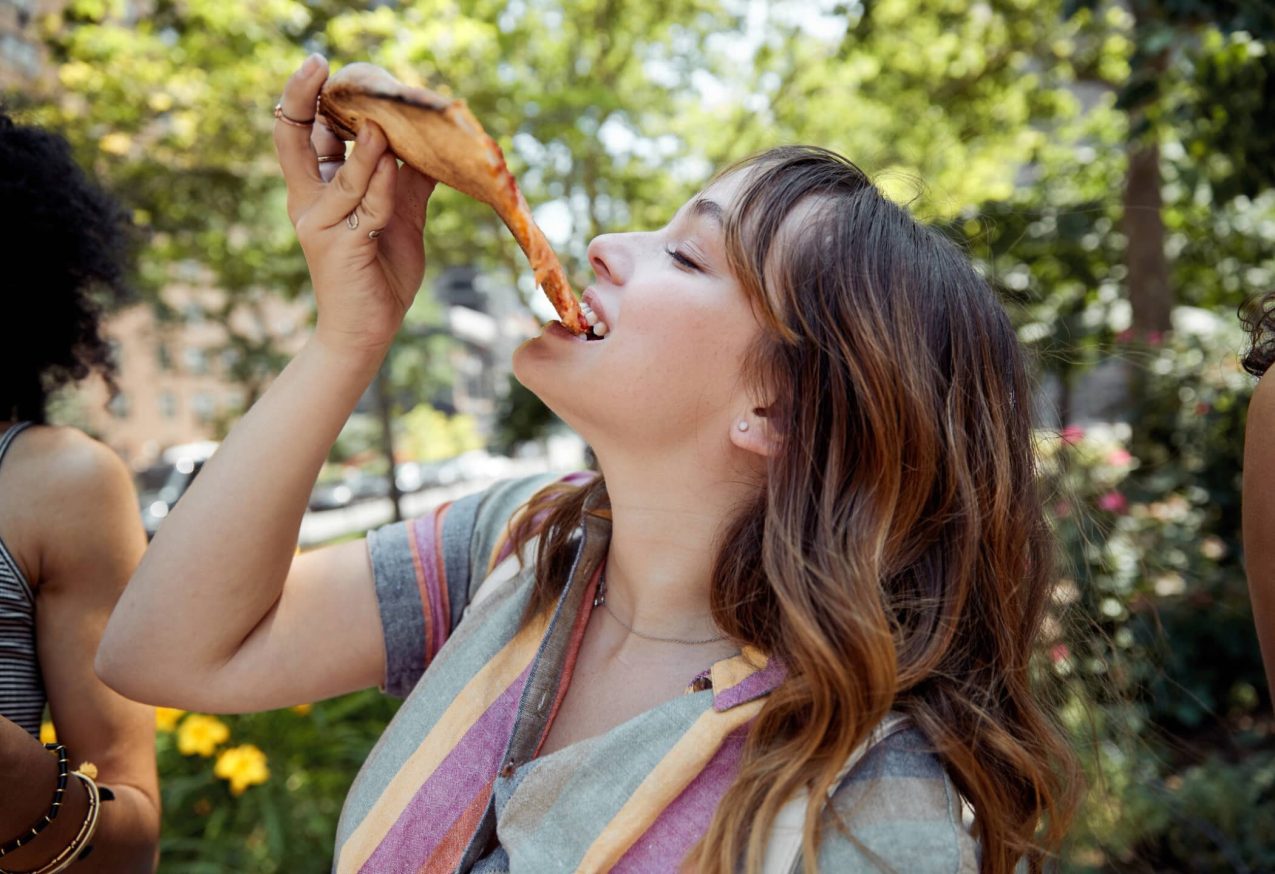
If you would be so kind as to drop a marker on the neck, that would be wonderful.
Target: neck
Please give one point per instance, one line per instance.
(667, 518)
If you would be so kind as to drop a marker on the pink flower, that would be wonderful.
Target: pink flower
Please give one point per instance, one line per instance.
(1059, 653)
(1113, 502)
(1072, 434)
(1155, 338)
(1119, 457)
(1125, 336)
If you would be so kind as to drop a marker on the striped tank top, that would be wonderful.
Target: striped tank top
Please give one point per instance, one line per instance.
(21, 688)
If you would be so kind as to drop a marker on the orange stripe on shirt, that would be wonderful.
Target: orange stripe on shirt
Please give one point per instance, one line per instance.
(472, 702)
(451, 848)
(664, 783)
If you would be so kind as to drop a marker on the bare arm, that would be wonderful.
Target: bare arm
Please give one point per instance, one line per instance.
(91, 540)
(219, 617)
(1259, 517)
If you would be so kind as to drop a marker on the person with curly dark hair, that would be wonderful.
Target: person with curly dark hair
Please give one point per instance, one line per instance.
(1258, 317)
(70, 533)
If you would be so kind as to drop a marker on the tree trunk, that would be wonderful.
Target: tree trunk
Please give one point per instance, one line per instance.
(1150, 293)
(387, 437)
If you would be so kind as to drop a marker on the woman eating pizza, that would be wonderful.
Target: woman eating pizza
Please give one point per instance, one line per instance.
(788, 626)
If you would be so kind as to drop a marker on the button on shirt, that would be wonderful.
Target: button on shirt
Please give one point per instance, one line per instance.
(456, 783)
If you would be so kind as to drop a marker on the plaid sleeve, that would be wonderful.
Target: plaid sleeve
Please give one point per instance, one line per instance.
(903, 812)
(425, 569)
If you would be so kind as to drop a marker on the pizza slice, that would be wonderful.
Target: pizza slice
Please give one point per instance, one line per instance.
(441, 138)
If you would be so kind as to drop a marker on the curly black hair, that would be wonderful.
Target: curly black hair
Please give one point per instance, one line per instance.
(1258, 317)
(64, 247)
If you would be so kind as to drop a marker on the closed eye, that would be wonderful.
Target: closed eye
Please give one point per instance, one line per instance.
(682, 261)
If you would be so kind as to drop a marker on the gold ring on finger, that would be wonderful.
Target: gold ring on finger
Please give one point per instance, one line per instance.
(279, 114)
(352, 221)
(372, 235)
(329, 159)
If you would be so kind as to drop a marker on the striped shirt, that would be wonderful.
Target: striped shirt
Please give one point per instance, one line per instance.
(456, 783)
(21, 687)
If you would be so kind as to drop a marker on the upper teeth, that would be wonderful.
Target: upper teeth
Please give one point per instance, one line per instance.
(599, 326)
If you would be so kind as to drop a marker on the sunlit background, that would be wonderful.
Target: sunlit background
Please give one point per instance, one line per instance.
(1108, 165)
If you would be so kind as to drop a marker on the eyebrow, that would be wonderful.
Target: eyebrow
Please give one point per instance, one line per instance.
(702, 206)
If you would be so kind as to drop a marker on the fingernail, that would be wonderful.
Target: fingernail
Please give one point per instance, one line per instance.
(311, 64)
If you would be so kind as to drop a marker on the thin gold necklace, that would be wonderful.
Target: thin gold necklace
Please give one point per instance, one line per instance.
(600, 599)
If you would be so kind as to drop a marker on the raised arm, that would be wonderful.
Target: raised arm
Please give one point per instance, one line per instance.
(220, 617)
(1259, 517)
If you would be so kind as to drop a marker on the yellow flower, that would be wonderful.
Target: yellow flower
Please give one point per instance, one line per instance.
(199, 734)
(47, 734)
(166, 718)
(242, 766)
(302, 709)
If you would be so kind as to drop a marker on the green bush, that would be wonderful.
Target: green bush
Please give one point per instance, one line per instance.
(283, 820)
(1160, 653)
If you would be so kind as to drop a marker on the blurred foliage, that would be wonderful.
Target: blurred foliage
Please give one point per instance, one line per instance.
(266, 796)
(522, 418)
(1016, 114)
(427, 434)
(1159, 643)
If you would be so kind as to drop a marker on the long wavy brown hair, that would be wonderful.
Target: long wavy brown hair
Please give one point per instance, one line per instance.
(897, 555)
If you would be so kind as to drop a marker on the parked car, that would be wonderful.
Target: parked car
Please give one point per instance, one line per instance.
(330, 495)
(365, 486)
(161, 485)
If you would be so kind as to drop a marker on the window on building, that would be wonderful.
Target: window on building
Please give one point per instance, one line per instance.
(164, 356)
(168, 405)
(196, 360)
(205, 407)
(118, 406)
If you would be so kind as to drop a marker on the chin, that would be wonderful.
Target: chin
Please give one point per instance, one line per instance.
(547, 378)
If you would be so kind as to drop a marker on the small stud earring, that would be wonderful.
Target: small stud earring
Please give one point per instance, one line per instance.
(743, 425)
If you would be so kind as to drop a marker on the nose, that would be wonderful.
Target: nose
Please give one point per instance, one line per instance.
(610, 259)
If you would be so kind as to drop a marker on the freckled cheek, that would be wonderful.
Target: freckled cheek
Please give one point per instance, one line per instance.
(696, 350)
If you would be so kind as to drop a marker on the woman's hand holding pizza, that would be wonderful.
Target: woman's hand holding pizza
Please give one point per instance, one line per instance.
(360, 221)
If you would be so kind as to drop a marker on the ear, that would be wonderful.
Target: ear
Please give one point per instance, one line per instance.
(752, 432)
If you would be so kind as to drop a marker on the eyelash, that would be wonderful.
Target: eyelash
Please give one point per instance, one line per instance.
(681, 260)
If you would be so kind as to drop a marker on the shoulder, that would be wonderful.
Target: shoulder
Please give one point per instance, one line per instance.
(1261, 411)
(515, 510)
(1263, 399)
(78, 512)
(900, 805)
(1259, 437)
(67, 462)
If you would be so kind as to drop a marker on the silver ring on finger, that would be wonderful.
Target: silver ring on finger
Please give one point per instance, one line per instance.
(352, 221)
(372, 235)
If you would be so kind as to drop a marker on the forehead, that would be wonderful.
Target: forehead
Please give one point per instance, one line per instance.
(706, 212)
(722, 191)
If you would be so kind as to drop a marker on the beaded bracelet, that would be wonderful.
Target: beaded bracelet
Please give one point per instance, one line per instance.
(78, 847)
(40, 826)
